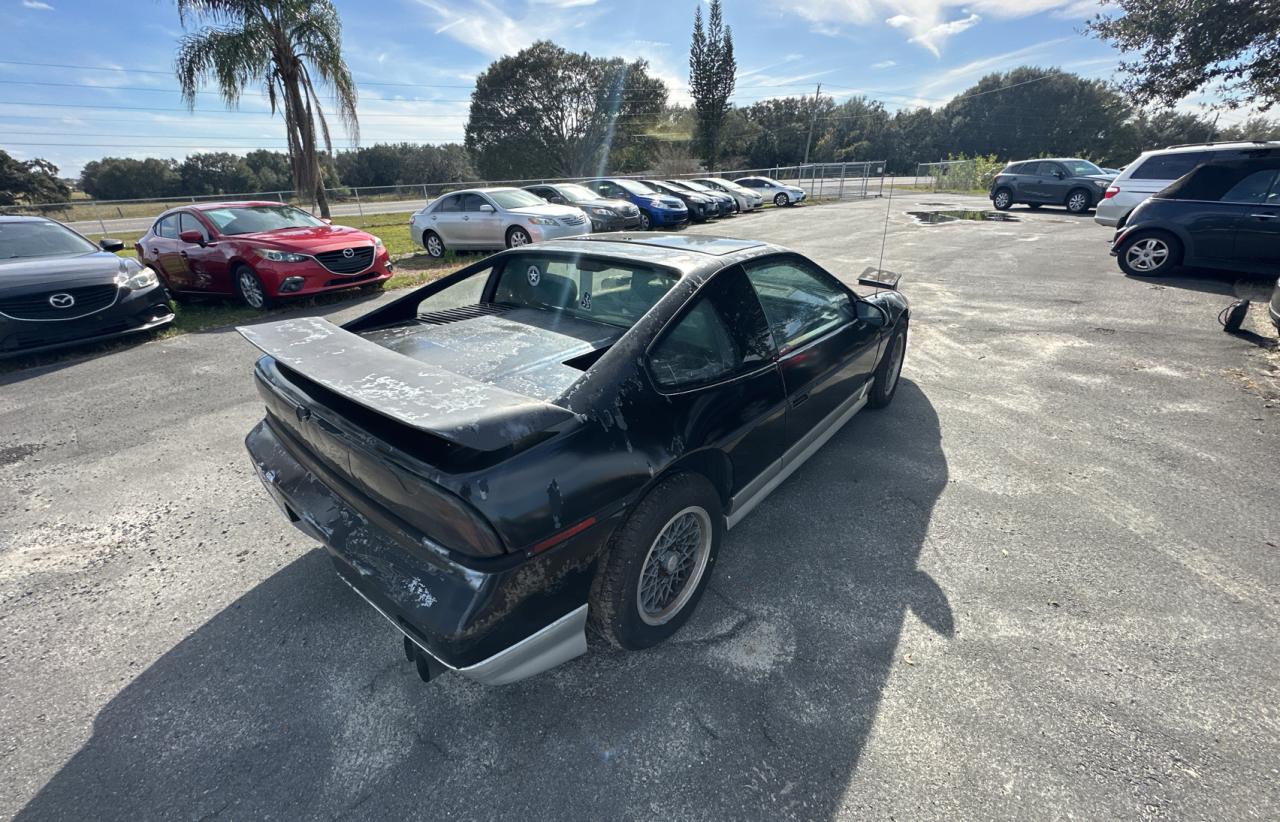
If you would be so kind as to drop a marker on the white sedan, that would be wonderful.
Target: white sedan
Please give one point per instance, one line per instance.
(771, 189)
(748, 200)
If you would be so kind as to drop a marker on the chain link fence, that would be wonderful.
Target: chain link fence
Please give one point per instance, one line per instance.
(854, 180)
(964, 176)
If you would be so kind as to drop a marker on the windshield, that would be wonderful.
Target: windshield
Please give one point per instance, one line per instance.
(602, 291)
(252, 219)
(575, 193)
(515, 198)
(720, 181)
(635, 187)
(697, 186)
(1081, 168)
(40, 239)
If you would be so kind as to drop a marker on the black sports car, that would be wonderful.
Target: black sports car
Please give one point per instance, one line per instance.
(561, 433)
(57, 288)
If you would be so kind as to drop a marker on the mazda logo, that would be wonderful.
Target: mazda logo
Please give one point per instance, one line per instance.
(61, 300)
(348, 252)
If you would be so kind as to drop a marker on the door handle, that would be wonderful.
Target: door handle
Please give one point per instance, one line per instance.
(466, 218)
(799, 400)
(1265, 216)
(154, 252)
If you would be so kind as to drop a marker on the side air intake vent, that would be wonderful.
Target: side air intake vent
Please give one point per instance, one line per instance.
(466, 312)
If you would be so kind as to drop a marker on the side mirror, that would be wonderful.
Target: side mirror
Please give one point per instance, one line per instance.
(107, 244)
(192, 237)
(486, 208)
(872, 314)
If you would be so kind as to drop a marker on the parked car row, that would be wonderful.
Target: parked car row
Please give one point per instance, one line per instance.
(503, 217)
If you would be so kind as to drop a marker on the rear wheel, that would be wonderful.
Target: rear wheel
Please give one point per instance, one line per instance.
(658, 563)
(1002, 199)
(1078, 201)
(890, 368)
(780, 199)
(433, 244)
(251, 289)
(1149, 254)
(517, 237)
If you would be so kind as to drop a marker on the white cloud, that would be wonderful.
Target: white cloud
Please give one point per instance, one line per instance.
(884, 64)
(484, 27)
(37, 5)
(928, 23)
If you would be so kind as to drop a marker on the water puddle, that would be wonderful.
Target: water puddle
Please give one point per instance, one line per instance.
(958, 215)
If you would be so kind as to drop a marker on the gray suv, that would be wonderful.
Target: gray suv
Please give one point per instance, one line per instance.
(1071, 182)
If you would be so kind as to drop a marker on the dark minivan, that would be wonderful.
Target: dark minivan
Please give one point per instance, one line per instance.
(1071, 182)
(1225, 214)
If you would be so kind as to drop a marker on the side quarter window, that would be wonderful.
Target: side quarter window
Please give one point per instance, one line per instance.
(167, 228)
(801, 301)
(722, 334)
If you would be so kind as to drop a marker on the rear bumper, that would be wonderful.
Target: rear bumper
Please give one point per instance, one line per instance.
(1109, 213)
(494, 621)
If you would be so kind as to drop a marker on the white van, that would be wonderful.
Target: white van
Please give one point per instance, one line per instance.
(1154, 171)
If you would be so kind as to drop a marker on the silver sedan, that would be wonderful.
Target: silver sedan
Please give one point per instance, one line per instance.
(493, 218)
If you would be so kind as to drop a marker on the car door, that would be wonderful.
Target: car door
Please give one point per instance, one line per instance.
(826, 353)
(205, 263)
(163, 247)
(445, 218)
(1257, 239)
(1210, 217)
(715, 363)
(1042, 183)
(481, 228)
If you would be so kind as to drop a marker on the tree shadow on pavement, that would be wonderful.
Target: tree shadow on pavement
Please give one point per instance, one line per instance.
(296, 701)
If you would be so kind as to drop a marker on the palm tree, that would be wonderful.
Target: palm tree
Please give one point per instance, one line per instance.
(281, 44)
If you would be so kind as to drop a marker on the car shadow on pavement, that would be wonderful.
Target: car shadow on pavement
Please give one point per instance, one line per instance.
(1209, 281)
(295, 700)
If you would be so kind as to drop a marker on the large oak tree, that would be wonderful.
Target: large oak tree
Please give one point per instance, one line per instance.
(546, 111)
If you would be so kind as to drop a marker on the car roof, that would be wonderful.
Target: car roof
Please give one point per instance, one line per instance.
(688, 253)
(229, 204)
(24, 218)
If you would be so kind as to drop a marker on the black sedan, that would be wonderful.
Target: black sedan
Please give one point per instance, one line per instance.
(1222, 215)
(561, 433)
(57, 288)
(701, 206)
(606, 214)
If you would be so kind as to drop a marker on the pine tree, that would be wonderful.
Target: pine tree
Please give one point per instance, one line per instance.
(712, 71)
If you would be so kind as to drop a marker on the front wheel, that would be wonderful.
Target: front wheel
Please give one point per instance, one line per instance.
(658, 563)
(1002, 199)
(1149, 254)
(1078, 201)
(517, 237)
(646, 222)
(251, 289)
(781, 199)
(890, 368)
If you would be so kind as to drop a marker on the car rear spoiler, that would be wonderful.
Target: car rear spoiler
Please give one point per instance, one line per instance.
(461, 410)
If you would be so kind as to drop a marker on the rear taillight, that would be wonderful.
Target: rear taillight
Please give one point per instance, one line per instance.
(1111, 192)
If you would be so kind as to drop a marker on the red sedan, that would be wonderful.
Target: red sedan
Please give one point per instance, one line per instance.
(259, 252)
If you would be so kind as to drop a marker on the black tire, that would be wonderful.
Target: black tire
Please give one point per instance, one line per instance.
(250, 289)
(1078, 201)
(781, 199)
(646, 222)
(1002, 199)
(517, 236)
(434, 245)
(616, 609)
(889, 370)
(1154, 254)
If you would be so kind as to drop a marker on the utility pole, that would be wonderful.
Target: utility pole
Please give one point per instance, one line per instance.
(812, 119)
(1213, 129)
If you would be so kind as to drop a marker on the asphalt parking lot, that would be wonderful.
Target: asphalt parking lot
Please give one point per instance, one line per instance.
(1042, 583)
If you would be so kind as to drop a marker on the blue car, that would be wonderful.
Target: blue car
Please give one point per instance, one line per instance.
(657, 210)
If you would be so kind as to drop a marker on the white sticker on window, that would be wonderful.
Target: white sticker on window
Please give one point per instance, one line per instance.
(535, 275)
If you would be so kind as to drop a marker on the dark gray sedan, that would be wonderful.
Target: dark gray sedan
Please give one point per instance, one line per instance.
(606, 214)
(1071, 182)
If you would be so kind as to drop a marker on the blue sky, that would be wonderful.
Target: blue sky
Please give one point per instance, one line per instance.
(415, 60)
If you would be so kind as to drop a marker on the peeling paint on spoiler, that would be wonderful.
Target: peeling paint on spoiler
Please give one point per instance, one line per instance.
(463, 411)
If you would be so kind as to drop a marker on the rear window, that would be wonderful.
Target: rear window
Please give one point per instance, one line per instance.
(603, 291)
(1168, 166)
